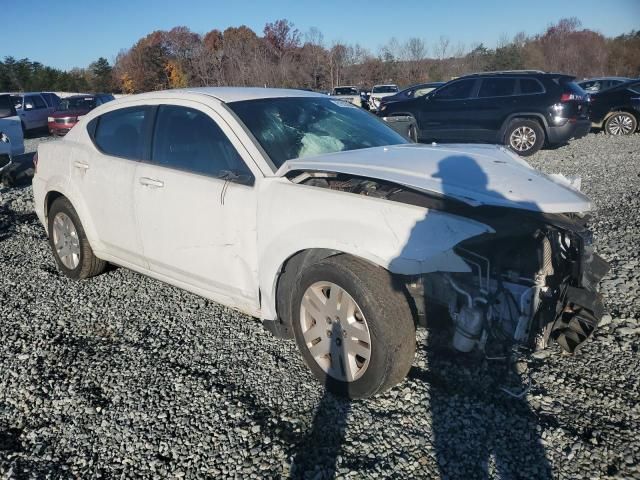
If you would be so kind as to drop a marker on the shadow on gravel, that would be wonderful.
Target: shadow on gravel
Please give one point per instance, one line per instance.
(477, 431)
(316, 454)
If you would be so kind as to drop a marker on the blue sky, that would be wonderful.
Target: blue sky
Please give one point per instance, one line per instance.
(70, 33)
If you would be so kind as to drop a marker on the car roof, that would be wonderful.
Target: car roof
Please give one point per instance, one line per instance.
(624, 79)
(238, 94)
(385, 85)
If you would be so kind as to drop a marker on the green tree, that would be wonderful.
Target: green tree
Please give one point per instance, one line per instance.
(101, 75)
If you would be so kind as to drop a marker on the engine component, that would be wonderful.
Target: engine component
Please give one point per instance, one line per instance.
(468, 323)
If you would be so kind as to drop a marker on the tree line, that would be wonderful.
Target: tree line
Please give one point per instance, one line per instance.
(282, 56)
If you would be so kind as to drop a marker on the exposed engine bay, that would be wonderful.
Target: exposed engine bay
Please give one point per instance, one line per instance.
(531, 282)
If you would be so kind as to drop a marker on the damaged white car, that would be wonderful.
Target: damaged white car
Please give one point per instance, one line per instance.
(316, 217)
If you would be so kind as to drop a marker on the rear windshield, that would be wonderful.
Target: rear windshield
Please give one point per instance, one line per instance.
(385, 89)
(6, 107)
(345, 91)
(77, 103)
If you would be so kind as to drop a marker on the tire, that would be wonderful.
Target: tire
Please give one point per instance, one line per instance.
(621, 123)
(385, 316)
(81, 264)
(413, 133)
(524, 137)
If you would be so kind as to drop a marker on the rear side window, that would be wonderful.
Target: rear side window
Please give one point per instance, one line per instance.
(635, 88)
(6, 107)
(456, 90)
(530, 85)
(187, 139)
(497, 87)
(121, 133)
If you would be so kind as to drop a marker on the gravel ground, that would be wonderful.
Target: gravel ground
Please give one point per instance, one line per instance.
(122, 376)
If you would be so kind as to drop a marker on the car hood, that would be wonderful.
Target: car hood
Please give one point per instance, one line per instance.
(474, 174)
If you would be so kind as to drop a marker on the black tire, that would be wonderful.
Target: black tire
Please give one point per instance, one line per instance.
(527, 126)
(388, 317)
(621, 123)
(89, 265)
(412, 133)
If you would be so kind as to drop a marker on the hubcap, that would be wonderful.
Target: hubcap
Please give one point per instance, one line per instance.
(335, 331)
(65, 241)
(522, 138)
(620, 125)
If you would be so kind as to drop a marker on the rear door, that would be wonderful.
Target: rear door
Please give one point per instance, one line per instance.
(494, 102)
(447, 114)
(104, 173)
(196, 205)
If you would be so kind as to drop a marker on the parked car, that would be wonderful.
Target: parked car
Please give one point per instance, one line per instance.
(348, 93)
(414, 91)
(593, 85)
(523, 110)
(72, 108)
(32, 109)
(323, 222)
(617, 109)
(10, 125)
(378, 92)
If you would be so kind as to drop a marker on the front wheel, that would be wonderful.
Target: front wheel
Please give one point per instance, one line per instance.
(621, 123)
(524, 137)
(353, 326)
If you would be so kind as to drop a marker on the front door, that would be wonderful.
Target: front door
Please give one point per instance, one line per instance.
(447, 114)
(196, 206)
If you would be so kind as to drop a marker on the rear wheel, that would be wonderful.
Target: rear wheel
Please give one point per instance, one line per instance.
(354, 326)
(621, 123)
(69, 243)
(524, 137)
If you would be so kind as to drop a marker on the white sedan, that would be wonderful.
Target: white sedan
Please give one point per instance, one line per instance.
(316, 217)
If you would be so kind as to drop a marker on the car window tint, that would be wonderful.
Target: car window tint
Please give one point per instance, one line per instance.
(456, 90)
(421, 92)
(635, 88)
(530, 85)
(120, 133)
(187, 139)
(6, 107)
(37, 101)
(497, 87)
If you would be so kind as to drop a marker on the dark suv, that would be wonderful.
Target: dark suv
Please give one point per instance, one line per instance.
(521, 109)
(617, 109)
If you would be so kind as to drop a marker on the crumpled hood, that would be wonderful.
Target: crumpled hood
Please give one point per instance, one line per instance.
(472, 173)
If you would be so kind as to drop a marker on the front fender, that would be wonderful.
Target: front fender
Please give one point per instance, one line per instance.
(403, 239)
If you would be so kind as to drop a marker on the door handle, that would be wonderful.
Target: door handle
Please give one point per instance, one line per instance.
(151, 182)
(81, 166)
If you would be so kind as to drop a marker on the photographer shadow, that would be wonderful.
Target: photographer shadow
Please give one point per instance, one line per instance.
(477, 430)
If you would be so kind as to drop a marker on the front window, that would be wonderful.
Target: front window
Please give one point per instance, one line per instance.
(385, 89)
(289, 128)
(77, 103)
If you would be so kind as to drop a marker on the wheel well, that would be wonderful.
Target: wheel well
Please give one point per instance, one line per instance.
(630, 111)
(287, 281)
(49, 199)
(535, 118)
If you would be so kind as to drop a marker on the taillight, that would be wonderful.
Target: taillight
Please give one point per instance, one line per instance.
(567, 97)
(35, 162)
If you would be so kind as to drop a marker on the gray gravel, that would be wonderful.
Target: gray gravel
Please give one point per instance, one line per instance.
(122, 376)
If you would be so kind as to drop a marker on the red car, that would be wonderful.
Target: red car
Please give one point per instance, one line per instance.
(71, 108)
